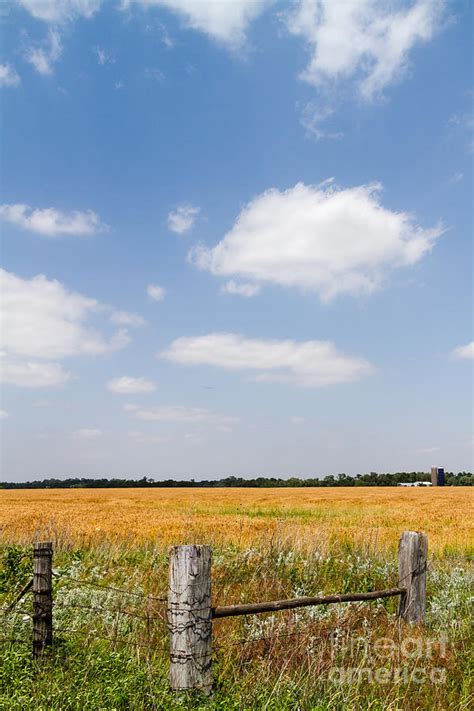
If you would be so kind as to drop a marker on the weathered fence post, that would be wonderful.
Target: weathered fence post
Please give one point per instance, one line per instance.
(189, 618)
(42, 597)
(412, 560)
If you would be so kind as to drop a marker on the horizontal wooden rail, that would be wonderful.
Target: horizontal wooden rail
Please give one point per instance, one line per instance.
(258, 607)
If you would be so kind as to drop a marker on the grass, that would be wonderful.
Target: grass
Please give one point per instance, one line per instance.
(111, 650)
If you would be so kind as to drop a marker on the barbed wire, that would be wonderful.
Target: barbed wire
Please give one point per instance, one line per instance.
(90, 583)
(116, 640)
(77, 606)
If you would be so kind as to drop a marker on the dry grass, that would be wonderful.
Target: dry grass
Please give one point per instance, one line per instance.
(373, 517)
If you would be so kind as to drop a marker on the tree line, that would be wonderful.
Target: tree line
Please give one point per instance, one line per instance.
(370, 479)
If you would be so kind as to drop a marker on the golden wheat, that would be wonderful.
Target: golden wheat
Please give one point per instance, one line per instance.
(370, 516)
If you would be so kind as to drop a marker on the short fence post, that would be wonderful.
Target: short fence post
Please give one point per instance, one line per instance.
(190, 618)
(412, 561)
(42, 597)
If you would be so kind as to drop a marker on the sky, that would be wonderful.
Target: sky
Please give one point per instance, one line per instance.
(236, 237)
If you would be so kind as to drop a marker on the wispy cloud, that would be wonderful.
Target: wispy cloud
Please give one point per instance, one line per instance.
(155, 292)
(464, 352)
(126, 318)
(9, 76)
(103, 56)
(127, 385)
(183, 218)
(51, 222)
(179, 414)
(243, 289)
(43, 57)
(60, 11)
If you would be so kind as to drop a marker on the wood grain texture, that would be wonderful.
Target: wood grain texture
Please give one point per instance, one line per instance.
(189, 618)
(42, 597)
(259, 607)
(412, 561)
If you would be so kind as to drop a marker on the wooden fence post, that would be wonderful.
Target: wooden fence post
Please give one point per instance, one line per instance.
(42, 597)
(412, 560)
(189, 618)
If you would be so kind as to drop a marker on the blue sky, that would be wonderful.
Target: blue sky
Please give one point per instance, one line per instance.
(236, 237)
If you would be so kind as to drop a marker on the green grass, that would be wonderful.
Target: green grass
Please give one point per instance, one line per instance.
(278, 662)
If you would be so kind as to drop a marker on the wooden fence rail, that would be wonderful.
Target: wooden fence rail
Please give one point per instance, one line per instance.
(190, 613)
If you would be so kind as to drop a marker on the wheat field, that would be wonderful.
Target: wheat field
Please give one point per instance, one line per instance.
(370, 516)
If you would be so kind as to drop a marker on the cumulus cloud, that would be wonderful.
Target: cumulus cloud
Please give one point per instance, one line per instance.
(183, 218)
(32, 374)
(9, 76)
(4, 414)
(304, 363)
(128, 386)
(87, 433)
(126, 318)
(59, 11)
(44, 56)
(51, 222)
(225, 22)
(319, 238)
(179, 414)
(247, 290)
(464, 352)
(366, 41)
(41, 322)
(155, 292)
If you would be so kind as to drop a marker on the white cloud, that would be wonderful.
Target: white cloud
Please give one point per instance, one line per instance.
(87, 433)
(366, 41)
(41, 321)
(225, 21)
(32, 374)
(313, 116)
(179, 414)
(4, 414)
(456, 177)
(155, 292)
(183, 218)
(319, 238)
(304, 363)
(43, 57)
(127, 385)
(9, 76)
(126, 318)
(103, 56)
(58, 11)
(464, 352)
(247, 290)
(51, 222)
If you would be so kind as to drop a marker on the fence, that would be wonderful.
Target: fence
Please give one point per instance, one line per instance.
(190, 612)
